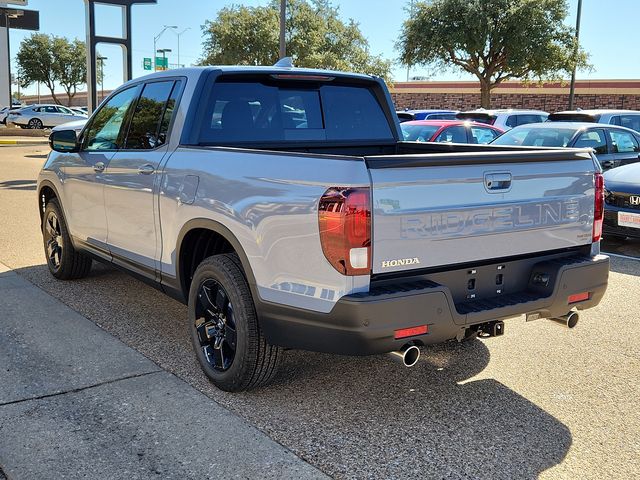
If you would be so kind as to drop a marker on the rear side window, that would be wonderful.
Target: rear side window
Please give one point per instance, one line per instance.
(145, 129)
(482, 135)
(623, 142)
(248, 112)
(629, 121)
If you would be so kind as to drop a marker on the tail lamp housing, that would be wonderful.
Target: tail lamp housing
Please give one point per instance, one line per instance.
(344, 217)
(598, 210)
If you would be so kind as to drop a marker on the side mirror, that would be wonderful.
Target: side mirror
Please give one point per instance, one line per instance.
(64, 141)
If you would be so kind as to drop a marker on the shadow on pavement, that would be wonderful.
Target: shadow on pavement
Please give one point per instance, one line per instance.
(36, 156)
(353, 417)
(18, 185)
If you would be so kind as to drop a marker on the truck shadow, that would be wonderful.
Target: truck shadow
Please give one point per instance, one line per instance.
(353, 417)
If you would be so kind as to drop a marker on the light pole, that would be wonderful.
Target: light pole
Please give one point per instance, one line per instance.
(156, 38)
(101, 60)
(283, 16)
(7, 15)
(572, 89)
(178, 35)
(164, 51)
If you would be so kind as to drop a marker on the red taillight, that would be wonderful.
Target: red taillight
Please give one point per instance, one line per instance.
(344, 215)
(578, 297)
(598, 211)
(410, 332)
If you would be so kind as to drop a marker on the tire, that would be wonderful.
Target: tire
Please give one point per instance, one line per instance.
(35, 124)
(224, 327)
(64, 262)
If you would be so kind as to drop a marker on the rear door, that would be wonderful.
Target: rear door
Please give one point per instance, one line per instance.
(624, 146)
(445, 209)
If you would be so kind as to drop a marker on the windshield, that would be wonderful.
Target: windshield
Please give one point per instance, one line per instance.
(418, 133)
(536, 137)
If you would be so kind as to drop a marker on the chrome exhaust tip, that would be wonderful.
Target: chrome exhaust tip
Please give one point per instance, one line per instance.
(408, 355)
(570, 320)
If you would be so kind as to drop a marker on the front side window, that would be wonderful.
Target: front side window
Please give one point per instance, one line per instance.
(104, 133)
(623, 142)
(592, 139)
(144, 132)
(50, 109)
(253, 111)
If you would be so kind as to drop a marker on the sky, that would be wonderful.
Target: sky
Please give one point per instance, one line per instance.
(608, 34)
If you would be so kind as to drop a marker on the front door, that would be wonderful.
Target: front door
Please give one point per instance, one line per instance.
(624, 146)
(132, 180)
(84, 172)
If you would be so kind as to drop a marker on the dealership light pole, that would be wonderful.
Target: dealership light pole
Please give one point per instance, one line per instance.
(101, 60)
(572, 89)
(155, 40)
(283, 17)
(178, 35)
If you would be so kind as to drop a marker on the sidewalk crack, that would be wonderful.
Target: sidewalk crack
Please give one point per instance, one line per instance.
(80, 389)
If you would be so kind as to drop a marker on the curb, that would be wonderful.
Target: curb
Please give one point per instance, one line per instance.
(24, 142)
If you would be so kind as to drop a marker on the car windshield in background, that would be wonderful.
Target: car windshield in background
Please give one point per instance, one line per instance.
(250, 112)
(536, 137)
(418, 133)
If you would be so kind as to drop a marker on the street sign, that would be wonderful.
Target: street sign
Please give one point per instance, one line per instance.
(147, 64)
(162, 63)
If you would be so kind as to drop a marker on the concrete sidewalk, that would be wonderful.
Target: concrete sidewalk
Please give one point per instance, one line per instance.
(77, 402)
(24, 141)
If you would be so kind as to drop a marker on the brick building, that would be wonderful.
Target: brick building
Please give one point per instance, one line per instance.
(549, 97)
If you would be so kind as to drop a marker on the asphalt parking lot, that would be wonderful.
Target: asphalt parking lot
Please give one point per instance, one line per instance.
(538, 402)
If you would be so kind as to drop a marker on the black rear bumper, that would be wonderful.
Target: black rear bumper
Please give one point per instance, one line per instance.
(364, 323)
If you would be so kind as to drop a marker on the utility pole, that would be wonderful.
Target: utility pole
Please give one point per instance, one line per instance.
(283, 17)
(411, 5)
(101, 60)
(572, 89)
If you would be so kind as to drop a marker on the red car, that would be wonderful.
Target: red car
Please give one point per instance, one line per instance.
(449, 131)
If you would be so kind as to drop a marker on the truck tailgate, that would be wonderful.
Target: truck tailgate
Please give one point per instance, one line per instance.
(447, 209)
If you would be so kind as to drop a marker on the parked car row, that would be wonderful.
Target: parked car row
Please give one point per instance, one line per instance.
(41, 115)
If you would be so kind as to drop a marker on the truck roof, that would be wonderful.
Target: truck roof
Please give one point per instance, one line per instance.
(247, 69)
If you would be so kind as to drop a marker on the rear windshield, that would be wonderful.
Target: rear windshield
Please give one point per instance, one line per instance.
(477, 117)
(244, 112)
(418, 133)
(536, 137)
(572, 117)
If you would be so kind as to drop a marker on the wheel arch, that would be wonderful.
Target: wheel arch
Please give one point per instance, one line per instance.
(195, 230)
(47, 191)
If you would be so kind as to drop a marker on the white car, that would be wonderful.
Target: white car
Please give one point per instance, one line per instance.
(43, 116)
(76, 126)
(504, 119)
(622, 118)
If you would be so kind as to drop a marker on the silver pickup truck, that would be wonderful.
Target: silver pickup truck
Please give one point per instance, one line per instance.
(281, 206)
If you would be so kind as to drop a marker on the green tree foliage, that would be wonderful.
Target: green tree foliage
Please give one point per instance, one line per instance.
(316, 38)
(495, 40)
(53, 61)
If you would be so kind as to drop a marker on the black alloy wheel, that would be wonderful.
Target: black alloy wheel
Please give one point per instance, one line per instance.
(215, 325)
(53, 240)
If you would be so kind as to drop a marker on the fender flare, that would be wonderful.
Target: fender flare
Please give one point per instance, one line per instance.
(217, 227)
(49, 184)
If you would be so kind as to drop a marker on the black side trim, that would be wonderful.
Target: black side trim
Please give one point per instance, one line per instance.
(490, 156)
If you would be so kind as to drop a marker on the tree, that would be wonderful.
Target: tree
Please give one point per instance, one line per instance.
(52, 61)
(35, 62)
(70, 64)
(495, 40)
(316, 38)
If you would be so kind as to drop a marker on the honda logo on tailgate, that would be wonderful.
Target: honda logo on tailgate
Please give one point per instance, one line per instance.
(634, 199)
